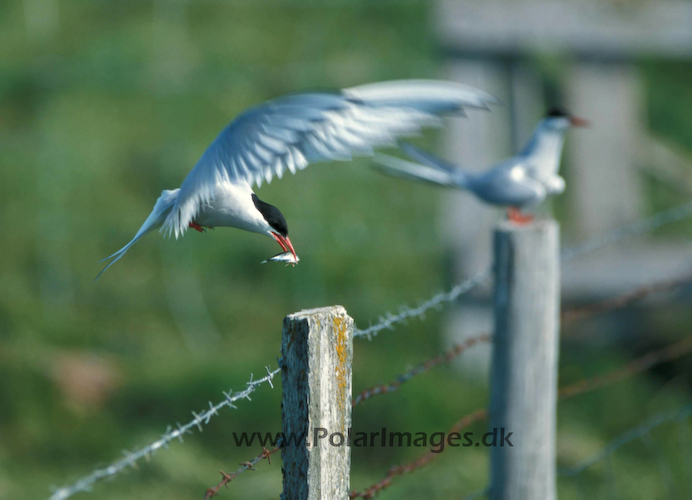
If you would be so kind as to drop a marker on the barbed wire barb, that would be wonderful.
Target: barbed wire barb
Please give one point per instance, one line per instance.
(86, 483)
(249, 465)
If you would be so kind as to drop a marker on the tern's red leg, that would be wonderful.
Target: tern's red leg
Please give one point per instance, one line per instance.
(518, 217)
(196, 227)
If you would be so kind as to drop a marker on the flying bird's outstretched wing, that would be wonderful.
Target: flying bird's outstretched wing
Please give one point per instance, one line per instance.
(397, 167)
(430, 169)
(290, 132)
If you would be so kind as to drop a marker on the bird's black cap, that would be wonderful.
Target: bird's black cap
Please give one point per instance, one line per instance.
(272, 215)
(557, 113)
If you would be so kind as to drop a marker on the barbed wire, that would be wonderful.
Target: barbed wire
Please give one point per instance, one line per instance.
(623, 300)
(633, 368)
(423, 367)
(245, 466)
(86, 483)
(637, 366)
(424, 459)
(572, 315)
(405, 313)
(640, 432)
(576, 314)
(643, 429)
(447, 356)
(631, 230)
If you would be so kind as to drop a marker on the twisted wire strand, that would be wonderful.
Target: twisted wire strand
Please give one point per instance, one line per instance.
(640, 431)
(405, 313)
(638, 228)
(569, 316)
(85, 484)
(623, 300)
(635, 367)
(446, 357)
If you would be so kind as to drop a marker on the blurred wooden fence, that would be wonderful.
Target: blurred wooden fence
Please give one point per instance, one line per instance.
(316, 370)
(317, 352)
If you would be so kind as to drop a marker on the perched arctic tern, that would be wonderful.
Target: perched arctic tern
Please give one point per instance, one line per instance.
(522, 181)
(288, 133)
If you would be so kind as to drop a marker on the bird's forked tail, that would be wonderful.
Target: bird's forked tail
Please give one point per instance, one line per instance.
(155, 220)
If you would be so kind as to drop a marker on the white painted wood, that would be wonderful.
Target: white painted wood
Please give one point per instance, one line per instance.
(523, 396)
(317, 351)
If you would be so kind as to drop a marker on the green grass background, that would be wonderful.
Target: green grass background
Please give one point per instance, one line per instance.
(116, 104)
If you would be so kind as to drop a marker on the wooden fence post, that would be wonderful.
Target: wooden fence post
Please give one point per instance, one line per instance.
(317, 351)
(523, 395)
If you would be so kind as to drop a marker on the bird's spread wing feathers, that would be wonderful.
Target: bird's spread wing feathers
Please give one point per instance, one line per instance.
(288, 133)
(428, 168)
(396, 167)
(426, 158)
(156, 218)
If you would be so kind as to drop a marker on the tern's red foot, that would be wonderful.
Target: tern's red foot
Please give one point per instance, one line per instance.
(516, 216)
(197, 227)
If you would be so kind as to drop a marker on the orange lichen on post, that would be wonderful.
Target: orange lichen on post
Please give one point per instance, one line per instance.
(341, 369)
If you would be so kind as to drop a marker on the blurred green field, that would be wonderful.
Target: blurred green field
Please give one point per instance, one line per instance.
(116, 102)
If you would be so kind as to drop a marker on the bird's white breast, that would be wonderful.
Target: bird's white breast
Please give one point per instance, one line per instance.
(232, 206)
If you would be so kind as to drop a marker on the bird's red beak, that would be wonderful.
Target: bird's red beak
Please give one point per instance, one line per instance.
(285, 243)
(579, 122)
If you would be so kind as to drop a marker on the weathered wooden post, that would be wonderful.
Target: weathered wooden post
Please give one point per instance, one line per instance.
(525, 359)
(317, 351)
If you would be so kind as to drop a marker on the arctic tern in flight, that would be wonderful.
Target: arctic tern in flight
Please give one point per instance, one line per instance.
(288, 133)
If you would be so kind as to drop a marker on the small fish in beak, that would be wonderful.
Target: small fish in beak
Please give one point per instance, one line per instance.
(285, 243)
(287, 257)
